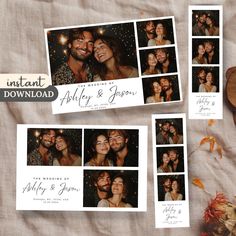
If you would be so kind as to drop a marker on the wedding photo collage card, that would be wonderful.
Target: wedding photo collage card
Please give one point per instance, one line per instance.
(111, 65)
(170, 170)
(75, 168)
(205, 62)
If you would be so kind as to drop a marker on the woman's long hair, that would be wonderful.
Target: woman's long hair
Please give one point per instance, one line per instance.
(212, 75)
(125, 186)
(91, 148)
(67, 140)
(100, 68)
(164, 29)
(176, 129)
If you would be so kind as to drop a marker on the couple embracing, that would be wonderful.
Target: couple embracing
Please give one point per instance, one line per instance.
(81, 67)
(54, 149)
(171, 162)
(110, 149)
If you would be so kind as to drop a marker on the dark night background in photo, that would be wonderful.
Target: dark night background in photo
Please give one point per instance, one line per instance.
(178, 122)
(160, 181)
(132, 188)
(161, 150)
(75, 136)
(197, 42)
(214, 14)
(133, 144)
(144, 53)
(195, 70)
(142, 34)
(148, 88)
(123, 33)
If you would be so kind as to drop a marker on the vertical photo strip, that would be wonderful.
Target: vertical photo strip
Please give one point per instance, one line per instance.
(111, 65)
(170, 170)
(81, 168)
(205, 62)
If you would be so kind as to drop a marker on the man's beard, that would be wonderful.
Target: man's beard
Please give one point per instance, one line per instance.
(173, 160)
(165, 88)
(120, 148)
(78, 57)
(167, 187)
(46, 144)
(163, 61)
(104, 188)
(151, 32)
(208, 52)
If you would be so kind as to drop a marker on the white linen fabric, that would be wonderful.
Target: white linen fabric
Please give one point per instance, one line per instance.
(22, 47)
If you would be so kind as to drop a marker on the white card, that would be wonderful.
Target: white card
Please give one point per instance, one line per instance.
(81, 168)
(205, 62)
(170, 170)
(111, 65)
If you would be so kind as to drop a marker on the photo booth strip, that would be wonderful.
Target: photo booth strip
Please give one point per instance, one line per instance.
(53, 184)
(170, 170)
(205, 74)
(96, 90)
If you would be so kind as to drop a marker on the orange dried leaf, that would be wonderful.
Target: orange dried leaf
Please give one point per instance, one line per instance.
(198, 183)
(212, 144)
(219, 150)
(211, 122)
(209, 139)
(205, 140)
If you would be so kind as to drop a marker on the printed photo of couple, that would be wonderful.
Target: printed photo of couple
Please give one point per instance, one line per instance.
(158, 61)
(161, 89)
(171, 188)
(205, 51)
(110, 188)
(155, 32)
(205, 79)
(96, 53)
(205, 23)
(54, 147)
(169, 131)
(170, 159)
(113, 147)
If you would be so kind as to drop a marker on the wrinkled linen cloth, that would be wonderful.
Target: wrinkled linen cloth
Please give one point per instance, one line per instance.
(23, 50)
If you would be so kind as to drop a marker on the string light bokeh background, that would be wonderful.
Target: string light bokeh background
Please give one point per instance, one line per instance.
(213, 14)
(178, 122)
(75, 136)
(123, 33)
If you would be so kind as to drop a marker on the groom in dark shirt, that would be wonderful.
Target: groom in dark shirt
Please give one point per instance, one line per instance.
(118, 140)
(177, 163)
(101, 185)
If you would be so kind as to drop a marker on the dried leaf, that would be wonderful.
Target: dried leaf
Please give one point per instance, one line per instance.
(204, 140)
(212, 144)
(209, 139)
(212, 141)
(198, 183)
(219, 150)
(211, 122)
